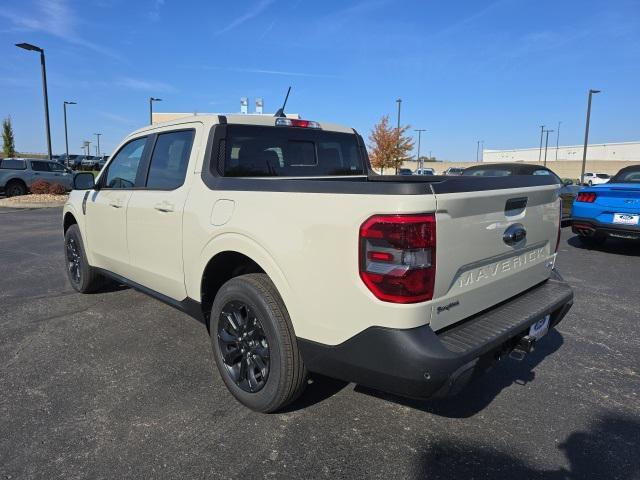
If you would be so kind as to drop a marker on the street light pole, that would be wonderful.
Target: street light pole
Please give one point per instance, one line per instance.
(541, 134)
(586, 134)
(399, 102)
(98, 145)
(66, 136)
(420, 163)
(151, 100)
(558, 140)
(546, 145)
(33, 48)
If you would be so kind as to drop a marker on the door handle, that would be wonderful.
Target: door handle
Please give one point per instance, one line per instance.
(116, 204)
(164, 207)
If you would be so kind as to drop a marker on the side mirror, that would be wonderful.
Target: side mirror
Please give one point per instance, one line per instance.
(567, 182)
(84, 181)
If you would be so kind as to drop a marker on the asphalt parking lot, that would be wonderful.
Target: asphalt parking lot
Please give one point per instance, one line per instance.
(118, 385)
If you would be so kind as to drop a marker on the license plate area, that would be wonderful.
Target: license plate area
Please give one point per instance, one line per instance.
(626, 219)
(540, 328)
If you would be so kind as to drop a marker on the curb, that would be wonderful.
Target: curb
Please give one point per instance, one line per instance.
(26, 206)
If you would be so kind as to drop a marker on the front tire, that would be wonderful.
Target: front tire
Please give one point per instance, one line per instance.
(254, 345)
(82, 276)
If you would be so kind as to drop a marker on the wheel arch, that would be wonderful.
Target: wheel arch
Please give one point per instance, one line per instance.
(229, 256)
(69, 219)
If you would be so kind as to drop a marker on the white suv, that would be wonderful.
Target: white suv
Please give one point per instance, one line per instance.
(596, 178)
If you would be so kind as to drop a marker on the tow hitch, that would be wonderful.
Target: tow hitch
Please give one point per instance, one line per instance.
(525, 345)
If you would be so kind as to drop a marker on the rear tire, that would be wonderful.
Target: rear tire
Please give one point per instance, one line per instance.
(15, 188)
(254, 345)
(82, 276)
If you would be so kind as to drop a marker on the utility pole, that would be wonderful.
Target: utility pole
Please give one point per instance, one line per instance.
(151, 100)
(558, 140)
(546, 145)
(98, 146)
(66, 136)
(420, 162)
(586, 134)
(541, 134)
(478, 149)
(399, 102)
(33, 48)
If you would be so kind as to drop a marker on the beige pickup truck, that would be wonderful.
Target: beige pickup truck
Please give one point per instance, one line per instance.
(277, 235)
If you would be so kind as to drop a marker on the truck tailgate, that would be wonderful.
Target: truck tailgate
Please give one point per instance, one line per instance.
(476, 266)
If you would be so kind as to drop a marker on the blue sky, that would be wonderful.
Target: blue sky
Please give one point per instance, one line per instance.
(466, 70)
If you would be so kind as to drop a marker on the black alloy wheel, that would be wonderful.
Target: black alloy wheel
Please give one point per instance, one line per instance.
(74, 261)
(244, 347)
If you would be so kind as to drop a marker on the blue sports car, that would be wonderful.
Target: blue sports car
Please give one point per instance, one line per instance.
(609, 210)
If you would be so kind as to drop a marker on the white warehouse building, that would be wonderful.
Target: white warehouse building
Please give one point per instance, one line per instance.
(625, 151)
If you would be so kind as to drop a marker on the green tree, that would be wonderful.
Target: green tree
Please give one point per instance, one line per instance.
(8, 143)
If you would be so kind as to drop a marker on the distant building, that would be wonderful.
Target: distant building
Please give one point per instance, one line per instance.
(625, 151)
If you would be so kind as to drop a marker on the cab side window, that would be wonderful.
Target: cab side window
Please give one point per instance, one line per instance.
(40, 166)
(124, 167)
(169, 160)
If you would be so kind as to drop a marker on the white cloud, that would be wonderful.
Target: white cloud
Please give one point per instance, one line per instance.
(154, 13)
(144, 85)
(255, 10)
(56, 18)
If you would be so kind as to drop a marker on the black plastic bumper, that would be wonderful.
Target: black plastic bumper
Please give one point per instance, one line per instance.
(589, 227)
(421, 363)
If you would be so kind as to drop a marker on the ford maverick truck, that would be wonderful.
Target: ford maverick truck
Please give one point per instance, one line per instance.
(299, 259)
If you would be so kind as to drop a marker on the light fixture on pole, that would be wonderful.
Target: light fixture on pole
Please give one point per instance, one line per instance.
(420, 162)
(66, 136)
(586, 135)
(541, 135)
(558, 140)
(151, 100)
(98, 145)
(33, 48)
(546, 145)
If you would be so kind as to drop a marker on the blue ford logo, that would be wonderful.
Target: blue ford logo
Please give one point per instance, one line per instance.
(514, 234)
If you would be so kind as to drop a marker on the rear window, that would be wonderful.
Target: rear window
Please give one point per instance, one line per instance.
(602, 175)
(256, 151)
(630, 176)
(488, 172)
(11, 164)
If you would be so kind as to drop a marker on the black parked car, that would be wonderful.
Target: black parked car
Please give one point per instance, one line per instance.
(568, 191)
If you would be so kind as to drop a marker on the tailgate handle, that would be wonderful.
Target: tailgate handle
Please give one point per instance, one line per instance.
(515, 204)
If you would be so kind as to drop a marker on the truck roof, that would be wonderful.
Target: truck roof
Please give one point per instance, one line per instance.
(238, 119)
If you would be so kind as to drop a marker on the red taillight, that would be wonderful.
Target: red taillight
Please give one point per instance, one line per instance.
(294, 122)
(588, 197)
(397, 257)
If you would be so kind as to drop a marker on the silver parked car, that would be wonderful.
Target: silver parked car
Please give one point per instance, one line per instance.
(17, 174)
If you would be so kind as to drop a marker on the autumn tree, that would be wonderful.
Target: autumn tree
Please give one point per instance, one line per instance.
(8, 144)
(389, 147)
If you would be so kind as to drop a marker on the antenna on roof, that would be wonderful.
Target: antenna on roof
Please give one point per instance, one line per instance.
(280, 112)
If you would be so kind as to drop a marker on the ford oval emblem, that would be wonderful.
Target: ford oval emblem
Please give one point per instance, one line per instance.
(514, 234)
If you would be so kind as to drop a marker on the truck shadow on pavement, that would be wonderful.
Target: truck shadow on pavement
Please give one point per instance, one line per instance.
(481, 392)
(608, 450)
(616, 246)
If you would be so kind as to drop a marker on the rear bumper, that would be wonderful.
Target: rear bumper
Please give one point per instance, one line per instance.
(588, 227)
(421, 363)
